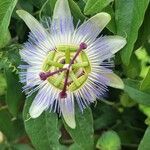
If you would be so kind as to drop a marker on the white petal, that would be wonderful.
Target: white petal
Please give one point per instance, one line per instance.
(62, 24)
(105, 47)
(32, 23)
(32, 76)
(114, 80)
(40, 103)
(101, 20)
(67, 109)
(32, 55)
(114, 43)
(62, 10)
(90, 29)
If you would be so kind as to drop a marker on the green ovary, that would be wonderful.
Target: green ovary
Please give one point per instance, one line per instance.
(78, 74)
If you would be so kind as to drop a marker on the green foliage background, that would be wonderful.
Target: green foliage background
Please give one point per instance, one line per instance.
(121, 121)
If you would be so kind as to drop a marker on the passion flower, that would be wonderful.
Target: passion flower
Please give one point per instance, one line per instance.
(67, 64)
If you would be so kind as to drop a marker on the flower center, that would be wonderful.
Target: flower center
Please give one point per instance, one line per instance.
(66, 68)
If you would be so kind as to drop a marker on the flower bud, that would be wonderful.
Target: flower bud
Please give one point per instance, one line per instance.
(126, 101)
(109, 141)
(145, 109)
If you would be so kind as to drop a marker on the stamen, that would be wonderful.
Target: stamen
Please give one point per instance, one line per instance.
(63, 93)
(82, 46)
(45, 75)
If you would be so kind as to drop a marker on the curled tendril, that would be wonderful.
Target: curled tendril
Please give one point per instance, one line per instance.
(10, 65)
(4, 58)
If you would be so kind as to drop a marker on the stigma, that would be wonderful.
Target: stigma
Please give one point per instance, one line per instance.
(66, 65)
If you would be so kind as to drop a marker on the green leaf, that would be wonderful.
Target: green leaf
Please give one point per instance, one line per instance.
(14, 93)
(4, 40)
(3, 84)
(133, 91)
(75, 147)
(145, 144)
(83, 133)
(47, 8)
(144, 58)
(6, 9)
(43, 131)
(25, 5)
(37, 3)
(134, 68)
(129, 17)
(145, 109)
(95, 6)
(105, 117)
(12, 129)
(126, 101)
(75, 11)
(145, 85)
(85, 1)
(21, 147)
(144, 32)
(112, 24)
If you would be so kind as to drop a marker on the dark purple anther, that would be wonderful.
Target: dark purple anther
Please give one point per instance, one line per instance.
(43, 76)
(83, 45)
(63, 94)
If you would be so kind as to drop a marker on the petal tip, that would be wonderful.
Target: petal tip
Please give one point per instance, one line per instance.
(114, 80)
(105, 16)
(35, 111)
(122, 40)
(61, 10)
(101, 19)
(20, 12)
(70, 120)
(32, 114)
(120, 85)
(72, 125)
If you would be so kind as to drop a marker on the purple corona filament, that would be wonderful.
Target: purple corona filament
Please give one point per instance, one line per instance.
(45, 75)
(63, 93)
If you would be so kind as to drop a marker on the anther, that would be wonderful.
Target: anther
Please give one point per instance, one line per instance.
(45, 75)
(63, 94)
(83, 45)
